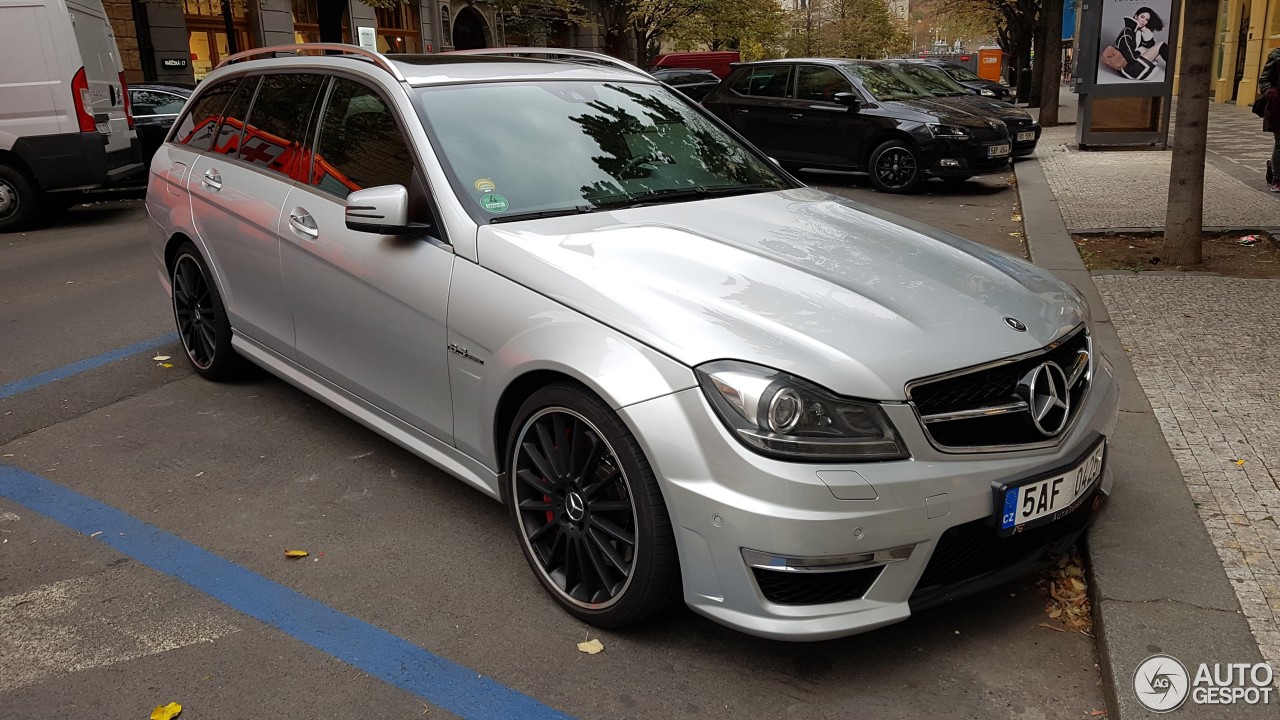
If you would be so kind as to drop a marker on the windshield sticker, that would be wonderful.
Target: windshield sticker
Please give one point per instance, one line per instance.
(494, 203)
(485, 185)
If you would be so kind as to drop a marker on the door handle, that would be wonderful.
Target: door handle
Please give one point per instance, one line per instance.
(742, 112)
(303, 224)
(212, 179)
(795, 116)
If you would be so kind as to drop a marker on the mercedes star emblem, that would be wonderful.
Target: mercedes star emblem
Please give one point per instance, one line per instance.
(1015, 323)
(575, 506)
(1048, 398)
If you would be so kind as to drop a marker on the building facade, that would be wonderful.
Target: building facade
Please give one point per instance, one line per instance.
(183, 40)
(1247, 31)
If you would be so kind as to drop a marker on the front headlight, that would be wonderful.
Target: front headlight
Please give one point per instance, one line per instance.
(988, 92)
(949, 131)
(783, 416)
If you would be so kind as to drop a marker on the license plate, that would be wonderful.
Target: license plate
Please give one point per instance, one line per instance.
(995, 151)
(1028, 135)
(1048, 499)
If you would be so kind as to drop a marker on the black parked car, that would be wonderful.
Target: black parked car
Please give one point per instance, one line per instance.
(966, 77)
(690, 81)
(857, 115)
(155, 107)
(1023, 128)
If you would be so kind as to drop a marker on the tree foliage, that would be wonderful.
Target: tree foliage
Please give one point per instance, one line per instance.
(846, 28)
(752, 27)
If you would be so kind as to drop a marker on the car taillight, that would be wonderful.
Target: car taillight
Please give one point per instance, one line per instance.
(128, 106)
(83, 101)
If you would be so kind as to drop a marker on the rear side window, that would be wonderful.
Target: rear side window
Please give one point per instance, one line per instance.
(197, 127)
(820, 83)
(233, 118)
(360, 146)
(769, 81)
(155, 102)
(273, 138)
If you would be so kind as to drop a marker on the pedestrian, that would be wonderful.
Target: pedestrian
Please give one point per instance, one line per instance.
(1268, 87)
(1137, 43)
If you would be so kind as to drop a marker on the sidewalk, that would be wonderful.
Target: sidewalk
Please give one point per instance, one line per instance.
(1184, 559)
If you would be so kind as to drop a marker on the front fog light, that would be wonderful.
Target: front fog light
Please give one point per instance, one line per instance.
(784, 416)
(948, 162)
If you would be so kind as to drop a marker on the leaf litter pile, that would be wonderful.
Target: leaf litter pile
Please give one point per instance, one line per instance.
(1068, 607)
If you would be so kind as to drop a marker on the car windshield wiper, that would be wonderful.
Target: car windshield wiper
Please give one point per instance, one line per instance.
(657, 197)
(538, 214)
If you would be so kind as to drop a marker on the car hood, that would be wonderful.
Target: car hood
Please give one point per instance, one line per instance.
(930, 110)
(972, 103)
(854, 299)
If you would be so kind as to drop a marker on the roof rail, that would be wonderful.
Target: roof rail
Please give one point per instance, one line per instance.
(581, 56)
(298, 48)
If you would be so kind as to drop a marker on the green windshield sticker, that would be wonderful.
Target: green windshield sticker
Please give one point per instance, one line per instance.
(494, 203)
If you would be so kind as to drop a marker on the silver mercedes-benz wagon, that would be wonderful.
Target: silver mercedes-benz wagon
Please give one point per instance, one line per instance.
(686, 374)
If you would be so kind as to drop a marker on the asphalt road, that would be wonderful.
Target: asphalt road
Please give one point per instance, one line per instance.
(408, 568)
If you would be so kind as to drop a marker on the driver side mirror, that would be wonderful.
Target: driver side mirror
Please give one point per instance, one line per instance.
(847, 99)
(382, 210)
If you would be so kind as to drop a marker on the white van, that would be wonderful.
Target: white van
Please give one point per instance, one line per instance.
(65, 123)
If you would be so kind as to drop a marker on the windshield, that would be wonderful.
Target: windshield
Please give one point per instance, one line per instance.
(961, 74)
(932, 80)
(524, 149)
(884, 84)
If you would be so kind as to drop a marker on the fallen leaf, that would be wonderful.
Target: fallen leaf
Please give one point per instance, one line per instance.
(296, 553)
(96, 534)
(1239, 462)
(159, 358)
(166, 712)
(1098, 713)
(591, 647)
(166, 365)
(1054, 628)
(200, 473)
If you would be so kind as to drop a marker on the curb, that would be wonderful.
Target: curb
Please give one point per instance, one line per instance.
(1155, 579)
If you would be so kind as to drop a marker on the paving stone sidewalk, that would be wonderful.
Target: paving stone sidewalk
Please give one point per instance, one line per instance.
(1204, 351)
(1128, 189)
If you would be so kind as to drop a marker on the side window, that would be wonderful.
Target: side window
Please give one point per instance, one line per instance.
(155, 102)
(196, 129)
(276, 128)
(227, 141)
(818, 83)
(742, 83)
(772, 81)
(360, 145)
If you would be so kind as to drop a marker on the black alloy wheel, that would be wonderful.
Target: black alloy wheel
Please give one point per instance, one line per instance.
(201, 318)
(895, 167)
(588, 510)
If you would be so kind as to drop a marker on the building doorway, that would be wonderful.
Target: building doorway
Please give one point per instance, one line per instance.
(470, 30)
(1242, 50)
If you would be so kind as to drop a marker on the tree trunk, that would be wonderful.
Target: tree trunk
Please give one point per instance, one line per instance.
(1051, 81)
(1185, 218)
(229, 24)
(1038, 62)
(329, 16)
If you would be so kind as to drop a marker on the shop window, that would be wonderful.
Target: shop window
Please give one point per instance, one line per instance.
(306, 23)
(207, 33)
(398, 28)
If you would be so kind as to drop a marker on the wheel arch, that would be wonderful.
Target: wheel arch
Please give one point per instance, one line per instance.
(884, 136)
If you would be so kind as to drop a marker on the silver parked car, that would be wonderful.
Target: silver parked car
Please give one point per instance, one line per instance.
(686, 374)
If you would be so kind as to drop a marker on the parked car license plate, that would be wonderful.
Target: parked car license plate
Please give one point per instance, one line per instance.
(1043, 501)
(995, 151)
(1028, 135)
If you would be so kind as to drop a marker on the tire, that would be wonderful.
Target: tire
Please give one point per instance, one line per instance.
(20, 200)
(895, 167)
(201, 318)
(579, 486)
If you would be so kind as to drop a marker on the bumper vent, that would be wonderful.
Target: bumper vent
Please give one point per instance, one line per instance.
(796, 588)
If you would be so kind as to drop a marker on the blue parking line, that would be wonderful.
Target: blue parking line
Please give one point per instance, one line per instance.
(377, 652)
(66, 371)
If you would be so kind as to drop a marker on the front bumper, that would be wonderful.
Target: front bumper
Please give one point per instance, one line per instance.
(964, 158)
(723, 499)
